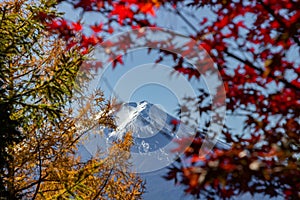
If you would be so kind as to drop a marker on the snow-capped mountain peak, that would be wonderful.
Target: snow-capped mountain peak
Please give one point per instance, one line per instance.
(143, 119)
(151, 153)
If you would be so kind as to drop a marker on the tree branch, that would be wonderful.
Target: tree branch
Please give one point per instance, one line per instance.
(40, 172)
(186, 20)
(103, 186)
(287, 83)
(276, 17)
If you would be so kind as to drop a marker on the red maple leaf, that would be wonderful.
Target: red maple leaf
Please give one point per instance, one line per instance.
(97, 28)
(76, 26)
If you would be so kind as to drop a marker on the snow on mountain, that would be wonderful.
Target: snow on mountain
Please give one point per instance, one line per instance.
(150, 125)
(143, 119)
(147, 122)
(151, 154)
(153, 135)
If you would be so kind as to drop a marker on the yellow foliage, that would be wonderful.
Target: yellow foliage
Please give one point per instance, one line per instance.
(45, 164)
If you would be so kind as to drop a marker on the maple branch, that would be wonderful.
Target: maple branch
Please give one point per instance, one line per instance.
(276, 17)
(247, 62)
(186, 20)
(240, 59)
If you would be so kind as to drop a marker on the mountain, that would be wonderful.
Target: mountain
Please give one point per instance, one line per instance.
(154, 137)
(154, 134)
(149, 124)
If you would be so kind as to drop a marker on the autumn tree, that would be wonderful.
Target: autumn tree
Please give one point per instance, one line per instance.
(41, 129)
(255, 45)
(47, 164)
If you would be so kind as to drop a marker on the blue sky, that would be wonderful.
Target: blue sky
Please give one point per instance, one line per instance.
(154, 93)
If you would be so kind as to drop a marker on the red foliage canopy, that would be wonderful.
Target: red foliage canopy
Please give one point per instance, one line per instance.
(264, 86)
